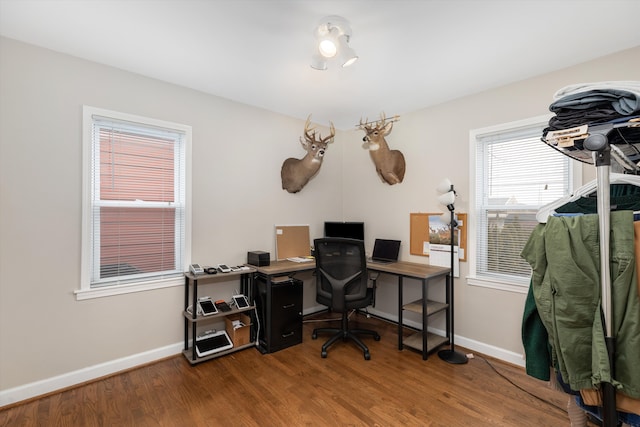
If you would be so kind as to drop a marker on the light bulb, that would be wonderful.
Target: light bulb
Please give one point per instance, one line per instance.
(328, 48)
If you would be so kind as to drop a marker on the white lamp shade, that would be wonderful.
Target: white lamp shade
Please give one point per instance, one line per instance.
(350, 61)
(444, 186)
(318, 62)
(347, 54)
(447, 198)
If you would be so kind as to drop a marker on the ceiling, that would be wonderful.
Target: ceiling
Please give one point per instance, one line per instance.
(413, 54)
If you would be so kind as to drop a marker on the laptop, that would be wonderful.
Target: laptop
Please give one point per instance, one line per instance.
(385, 251)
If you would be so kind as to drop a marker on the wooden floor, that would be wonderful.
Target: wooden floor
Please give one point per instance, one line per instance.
(296, 387)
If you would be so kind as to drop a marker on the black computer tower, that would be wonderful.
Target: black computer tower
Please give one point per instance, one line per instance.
(279, 308)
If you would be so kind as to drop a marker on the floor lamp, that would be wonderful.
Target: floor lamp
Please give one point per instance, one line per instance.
(447, 197)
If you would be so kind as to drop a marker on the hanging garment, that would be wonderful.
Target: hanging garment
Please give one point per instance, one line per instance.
(620, 185)
(622, 197)
(535, 341)
(636, 235)
(565, 257)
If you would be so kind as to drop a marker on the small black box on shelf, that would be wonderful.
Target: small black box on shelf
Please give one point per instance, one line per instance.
(258, 258)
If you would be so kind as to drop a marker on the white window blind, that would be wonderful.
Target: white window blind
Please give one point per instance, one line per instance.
(516, 174)
(137, 202)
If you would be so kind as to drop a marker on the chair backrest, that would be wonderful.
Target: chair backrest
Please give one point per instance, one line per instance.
(341, 270)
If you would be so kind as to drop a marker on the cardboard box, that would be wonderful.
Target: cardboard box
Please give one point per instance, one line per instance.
(239, 335)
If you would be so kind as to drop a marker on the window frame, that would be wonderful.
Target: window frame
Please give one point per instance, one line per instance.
(86, 291)
(474, 278)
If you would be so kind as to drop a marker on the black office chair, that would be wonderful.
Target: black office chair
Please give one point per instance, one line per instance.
(341, 284)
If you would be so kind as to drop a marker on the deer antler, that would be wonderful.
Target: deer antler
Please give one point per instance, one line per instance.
(378, 124)
(329, 138)
(309, 137)
(310, 133)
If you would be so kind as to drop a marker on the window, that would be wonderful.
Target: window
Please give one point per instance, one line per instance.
(135, 211)
(515, 174)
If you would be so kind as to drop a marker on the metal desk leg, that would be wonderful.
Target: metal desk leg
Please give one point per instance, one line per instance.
(194, 312)
(399, 312)
(424, 320)
(186, 321)
(244, 285)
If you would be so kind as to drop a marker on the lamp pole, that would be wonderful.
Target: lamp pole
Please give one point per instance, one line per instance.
(451, 355)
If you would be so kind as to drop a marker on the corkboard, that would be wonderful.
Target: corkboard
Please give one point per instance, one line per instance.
(419, 232)
(292, 241)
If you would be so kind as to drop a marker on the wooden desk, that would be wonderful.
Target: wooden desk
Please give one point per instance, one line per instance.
(284, 267)
(423, 341)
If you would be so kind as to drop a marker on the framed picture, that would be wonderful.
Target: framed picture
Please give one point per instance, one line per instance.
(434, 228)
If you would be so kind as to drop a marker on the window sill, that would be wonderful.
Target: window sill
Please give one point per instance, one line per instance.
(107, 291)
(520, 287)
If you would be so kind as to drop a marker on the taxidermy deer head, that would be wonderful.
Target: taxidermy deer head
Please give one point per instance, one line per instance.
(389, 164)
(296, 173)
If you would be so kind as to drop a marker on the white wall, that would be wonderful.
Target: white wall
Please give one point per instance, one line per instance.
(435, 142)
(237, 198)
(48, 338)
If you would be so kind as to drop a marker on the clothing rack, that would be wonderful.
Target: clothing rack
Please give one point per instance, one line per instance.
(595, 140)
(573, 143)
(602, 155)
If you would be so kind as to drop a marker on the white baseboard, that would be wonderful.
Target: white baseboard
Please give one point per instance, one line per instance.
(49, 385)
(489, 350)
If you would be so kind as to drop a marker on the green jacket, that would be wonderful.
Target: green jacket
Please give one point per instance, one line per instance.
(565, 257)
(535, 340)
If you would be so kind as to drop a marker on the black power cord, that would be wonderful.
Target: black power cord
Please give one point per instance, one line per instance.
(519, 387)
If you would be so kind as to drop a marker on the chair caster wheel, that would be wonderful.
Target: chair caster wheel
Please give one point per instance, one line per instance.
(367, 356)
(376, 337)
(323, 354)
(314, 336)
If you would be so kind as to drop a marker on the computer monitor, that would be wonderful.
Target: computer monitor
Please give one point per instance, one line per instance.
(351, 230)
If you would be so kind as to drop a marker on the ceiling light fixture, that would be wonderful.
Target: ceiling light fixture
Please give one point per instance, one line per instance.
(332, 43)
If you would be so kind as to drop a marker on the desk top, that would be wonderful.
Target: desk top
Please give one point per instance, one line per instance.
(400, 268)
(285, 266)
(410, 269)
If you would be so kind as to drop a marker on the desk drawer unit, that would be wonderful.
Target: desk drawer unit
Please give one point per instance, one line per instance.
(280, 311)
